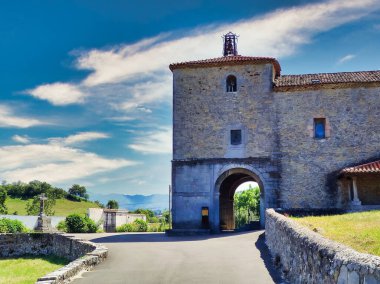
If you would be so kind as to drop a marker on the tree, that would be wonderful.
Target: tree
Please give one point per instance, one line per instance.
(247, 205)
(3, 197)
(147, 212)
(112, 204)
(78, 190)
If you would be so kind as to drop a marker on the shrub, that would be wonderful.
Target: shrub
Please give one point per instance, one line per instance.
(78, 224)
(62, 226)
(91, 226)
(125, 228)
(11, 226)
(137, 226)
(140, 225)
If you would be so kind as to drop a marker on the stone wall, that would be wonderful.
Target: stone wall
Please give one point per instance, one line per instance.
(83, 254)
(306, 257)
(204, 112)
(310, 166)
(369, 189)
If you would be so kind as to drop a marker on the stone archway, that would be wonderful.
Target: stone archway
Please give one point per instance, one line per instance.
(225, 188)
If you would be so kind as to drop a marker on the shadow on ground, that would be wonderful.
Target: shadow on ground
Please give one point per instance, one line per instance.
(159, 237)
(267, 258)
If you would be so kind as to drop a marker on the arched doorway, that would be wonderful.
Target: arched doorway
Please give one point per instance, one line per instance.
(226, 186)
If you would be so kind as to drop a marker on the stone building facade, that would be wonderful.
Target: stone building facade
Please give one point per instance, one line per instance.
(237, 119)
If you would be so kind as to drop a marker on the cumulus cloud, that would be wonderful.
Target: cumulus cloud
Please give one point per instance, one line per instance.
(21, 139)
(58, 94)
(137, 75)
(154, 142)
(78, 138)
(53, 163)
(9, 119)
(346, 58)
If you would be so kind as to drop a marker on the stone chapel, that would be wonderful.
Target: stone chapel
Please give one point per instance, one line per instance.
(311, 141)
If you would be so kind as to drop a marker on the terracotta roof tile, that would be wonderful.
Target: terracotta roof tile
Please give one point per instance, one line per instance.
(287, 82)
(373, 167)
(228, 60)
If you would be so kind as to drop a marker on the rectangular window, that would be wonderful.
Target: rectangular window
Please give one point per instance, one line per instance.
(236, 137)
(319, 128)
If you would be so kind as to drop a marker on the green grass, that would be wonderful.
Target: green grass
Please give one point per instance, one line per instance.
(27, 269)
(361, 231)
(63, 207)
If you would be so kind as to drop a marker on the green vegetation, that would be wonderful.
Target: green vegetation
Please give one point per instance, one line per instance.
(361, 230)
(112, 204)
(137, 226)
(27, 269)
(75, 223)
(79, 191)
(3, 197)
(11, 226)
(247, 206)
(62, 207)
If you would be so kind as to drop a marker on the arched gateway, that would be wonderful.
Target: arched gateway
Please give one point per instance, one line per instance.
(225, 188)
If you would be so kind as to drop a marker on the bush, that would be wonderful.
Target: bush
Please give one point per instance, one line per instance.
(140, 225)
(78, 224)
(62, 226)
(12, 226)
(91, 226)
(137, 226)
(125, 228)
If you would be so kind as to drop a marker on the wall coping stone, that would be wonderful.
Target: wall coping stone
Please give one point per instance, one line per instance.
(307, 257)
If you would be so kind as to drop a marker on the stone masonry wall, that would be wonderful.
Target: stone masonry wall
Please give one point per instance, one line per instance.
(306, 257)
(309, 166)
(369, 189)
(83, 254)
(204, 113)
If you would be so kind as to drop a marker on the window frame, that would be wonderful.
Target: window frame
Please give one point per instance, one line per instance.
(231, 88)
(319, 121)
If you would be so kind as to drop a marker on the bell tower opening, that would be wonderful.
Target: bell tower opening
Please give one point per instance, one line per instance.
(230, 44)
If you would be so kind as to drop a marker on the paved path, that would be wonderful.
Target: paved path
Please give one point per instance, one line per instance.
(156, 258)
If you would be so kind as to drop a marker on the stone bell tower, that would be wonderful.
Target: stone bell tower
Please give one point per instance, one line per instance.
(230, 44)
(222, 136)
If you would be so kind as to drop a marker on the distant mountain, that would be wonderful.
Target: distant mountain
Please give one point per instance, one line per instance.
(155, 202)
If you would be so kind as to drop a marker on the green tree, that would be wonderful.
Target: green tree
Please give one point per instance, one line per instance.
(247, 205)
(112, 204)
(147, 212)
(78, 190)
(33, 206)
(3, 197)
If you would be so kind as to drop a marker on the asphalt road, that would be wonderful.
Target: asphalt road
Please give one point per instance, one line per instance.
(156, 258)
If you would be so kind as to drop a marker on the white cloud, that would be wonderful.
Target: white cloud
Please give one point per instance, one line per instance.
(58, 94)
(9, 119)
(78, 138)
(346, 58)
(21, 139)
(53, 163)
(129, 77)
(154, 142)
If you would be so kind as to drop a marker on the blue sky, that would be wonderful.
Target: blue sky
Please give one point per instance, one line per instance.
(86, 90)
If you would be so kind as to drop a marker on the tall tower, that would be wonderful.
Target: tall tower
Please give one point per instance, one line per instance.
(230, 44)
(222, 136)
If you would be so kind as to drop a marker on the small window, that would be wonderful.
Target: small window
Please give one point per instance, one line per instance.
(231, 84)
(236, 137)
(320, 128)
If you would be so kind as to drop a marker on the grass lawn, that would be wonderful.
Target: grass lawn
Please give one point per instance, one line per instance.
(361, 231)
(28, 269)
(63, 207)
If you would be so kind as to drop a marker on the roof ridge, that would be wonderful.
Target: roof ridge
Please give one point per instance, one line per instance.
(328, 73)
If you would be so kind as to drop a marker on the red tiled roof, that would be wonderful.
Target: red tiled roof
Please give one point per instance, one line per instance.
(286, 82)
(228, 60)
(373, 167)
